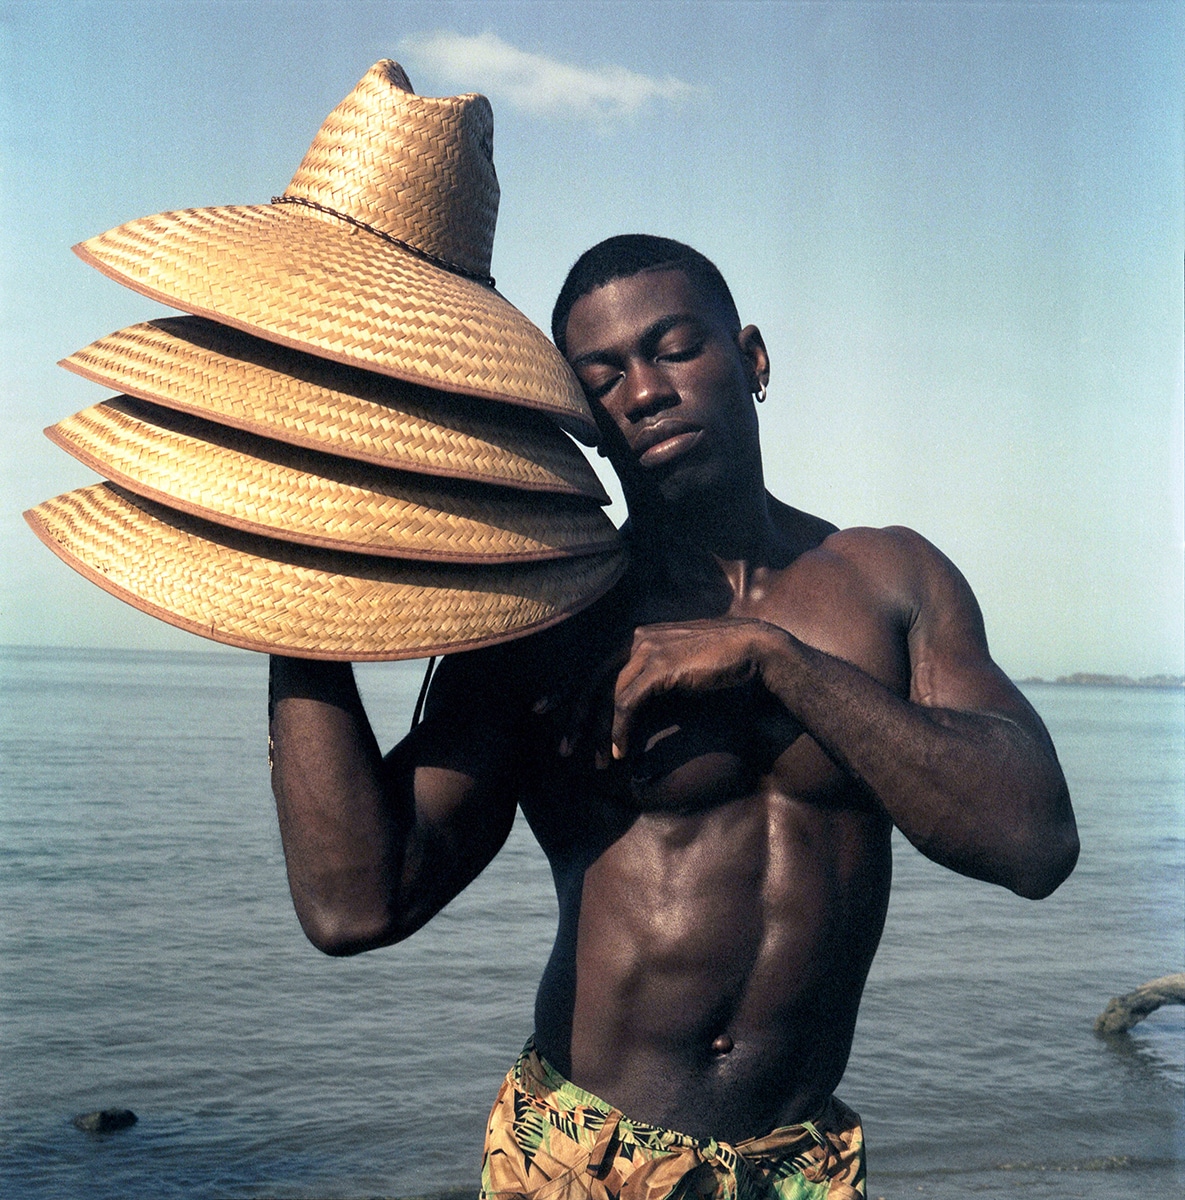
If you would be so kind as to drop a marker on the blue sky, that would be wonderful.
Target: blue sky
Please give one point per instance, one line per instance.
(959, 227)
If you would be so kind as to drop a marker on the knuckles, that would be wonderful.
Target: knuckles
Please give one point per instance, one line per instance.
(705, 654)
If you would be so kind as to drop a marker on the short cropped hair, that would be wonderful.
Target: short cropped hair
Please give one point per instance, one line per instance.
(630, 254)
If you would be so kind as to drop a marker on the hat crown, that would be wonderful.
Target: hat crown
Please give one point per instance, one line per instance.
(416, 168)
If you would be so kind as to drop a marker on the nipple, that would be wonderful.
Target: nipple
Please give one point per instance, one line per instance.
(722, 1044)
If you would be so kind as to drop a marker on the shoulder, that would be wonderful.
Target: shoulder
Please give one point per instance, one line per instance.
(892, 546)
(477, 707)
(891, 556)
(516, 674)
(903, 576)
(895, 560)
(496, 703)
(948, 647)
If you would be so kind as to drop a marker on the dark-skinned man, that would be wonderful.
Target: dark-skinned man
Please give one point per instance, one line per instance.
(756, 705)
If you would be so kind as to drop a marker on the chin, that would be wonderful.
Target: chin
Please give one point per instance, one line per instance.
(694, 477)
(691, 480)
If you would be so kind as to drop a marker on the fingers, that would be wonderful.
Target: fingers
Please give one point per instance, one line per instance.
(588, 720)
(663, 658)
(637, 680)
(577, 719)
(696, 656)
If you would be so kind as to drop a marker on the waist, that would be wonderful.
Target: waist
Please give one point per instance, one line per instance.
(544, 1128)
(734, 1084)
(537, 1077)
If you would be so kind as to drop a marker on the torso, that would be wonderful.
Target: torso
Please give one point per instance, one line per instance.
(723, 892)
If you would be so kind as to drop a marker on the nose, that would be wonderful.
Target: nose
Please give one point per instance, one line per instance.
(646, 390)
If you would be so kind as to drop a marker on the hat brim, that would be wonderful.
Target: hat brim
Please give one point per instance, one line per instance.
(318, 284)
(276, 490)
(225, 375)
(262, 594)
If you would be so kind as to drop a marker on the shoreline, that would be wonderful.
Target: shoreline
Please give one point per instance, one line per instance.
(18, 650)
(1088, 679)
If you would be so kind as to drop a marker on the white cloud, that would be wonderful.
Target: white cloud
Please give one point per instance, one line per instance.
(537, 83)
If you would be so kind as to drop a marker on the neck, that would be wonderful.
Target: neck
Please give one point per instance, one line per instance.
(730, 527)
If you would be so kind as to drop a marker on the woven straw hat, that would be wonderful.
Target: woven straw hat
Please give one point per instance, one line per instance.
(340, 485)
(224, 375)
(274, 489)
(263, 594)
(377, 255)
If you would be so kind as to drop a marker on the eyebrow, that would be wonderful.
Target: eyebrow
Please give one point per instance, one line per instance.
(651, 336)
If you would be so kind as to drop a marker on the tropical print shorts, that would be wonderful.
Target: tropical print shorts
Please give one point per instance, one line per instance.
(550, 1140)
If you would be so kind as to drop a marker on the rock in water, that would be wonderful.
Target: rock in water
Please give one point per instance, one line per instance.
(105, 1120)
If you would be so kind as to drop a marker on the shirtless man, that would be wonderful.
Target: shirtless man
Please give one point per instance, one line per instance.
(712, 757)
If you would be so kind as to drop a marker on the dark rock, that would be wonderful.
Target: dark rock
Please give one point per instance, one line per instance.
(105, 1120)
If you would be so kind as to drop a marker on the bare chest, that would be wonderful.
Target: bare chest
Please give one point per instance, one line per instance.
(691, 752)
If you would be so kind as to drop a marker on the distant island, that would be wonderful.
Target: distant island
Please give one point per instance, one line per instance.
(1086, 679)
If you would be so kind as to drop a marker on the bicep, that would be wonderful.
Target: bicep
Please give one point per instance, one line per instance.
(452, 776)
(950, 664)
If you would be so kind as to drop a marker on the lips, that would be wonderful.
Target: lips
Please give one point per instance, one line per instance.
(664, 441)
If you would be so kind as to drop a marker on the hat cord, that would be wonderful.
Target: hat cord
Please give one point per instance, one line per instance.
(452, 268)
(419, 709)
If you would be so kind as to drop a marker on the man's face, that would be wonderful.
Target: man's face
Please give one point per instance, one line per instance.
(669, 379)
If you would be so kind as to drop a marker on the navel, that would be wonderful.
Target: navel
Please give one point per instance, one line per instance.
(722, 1044)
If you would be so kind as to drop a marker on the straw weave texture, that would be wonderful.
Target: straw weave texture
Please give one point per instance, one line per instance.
(317, 284)
(267, 595)
(207, 369)
(271, 488)
(418, 168)
(311, 462)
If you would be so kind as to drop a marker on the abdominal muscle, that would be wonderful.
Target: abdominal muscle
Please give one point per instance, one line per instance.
(709, 964)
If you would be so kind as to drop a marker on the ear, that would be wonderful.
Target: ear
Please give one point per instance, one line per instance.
(752, 347)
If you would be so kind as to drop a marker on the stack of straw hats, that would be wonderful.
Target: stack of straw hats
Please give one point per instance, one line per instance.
(353, 447)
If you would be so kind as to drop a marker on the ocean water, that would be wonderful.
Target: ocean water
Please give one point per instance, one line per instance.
(149, 959)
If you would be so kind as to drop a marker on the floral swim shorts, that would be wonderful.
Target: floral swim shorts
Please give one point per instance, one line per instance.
(550, 1140)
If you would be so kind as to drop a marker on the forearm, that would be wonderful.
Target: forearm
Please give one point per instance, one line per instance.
(978, 792)
(341, 832)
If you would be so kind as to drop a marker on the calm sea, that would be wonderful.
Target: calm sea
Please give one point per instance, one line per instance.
(151, 960)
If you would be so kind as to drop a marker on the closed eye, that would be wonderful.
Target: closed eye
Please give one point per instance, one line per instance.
(675, 339)
(681, 355)
(599, 384)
